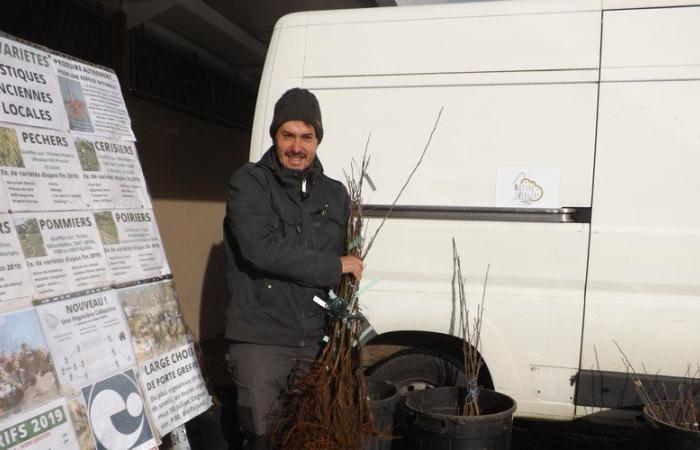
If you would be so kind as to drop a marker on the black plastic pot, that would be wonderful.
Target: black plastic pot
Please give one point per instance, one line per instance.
(384, 400)
(434, 424)
(664, 435)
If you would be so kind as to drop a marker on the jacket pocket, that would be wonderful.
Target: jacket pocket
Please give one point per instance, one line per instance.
(290, 222)
(328, 227)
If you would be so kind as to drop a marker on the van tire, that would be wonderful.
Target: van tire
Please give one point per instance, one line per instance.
(417, 369)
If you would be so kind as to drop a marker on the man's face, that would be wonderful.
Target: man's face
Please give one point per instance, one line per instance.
(296, 144)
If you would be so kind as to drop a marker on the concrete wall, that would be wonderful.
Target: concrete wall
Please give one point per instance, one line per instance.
(187, 163)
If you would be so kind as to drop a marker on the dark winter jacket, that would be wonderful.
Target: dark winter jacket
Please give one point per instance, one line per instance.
(282, 250)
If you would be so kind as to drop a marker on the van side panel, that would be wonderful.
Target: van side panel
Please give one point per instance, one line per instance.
(284, 69)
(455, 45)
(483, 128)
(644, 276)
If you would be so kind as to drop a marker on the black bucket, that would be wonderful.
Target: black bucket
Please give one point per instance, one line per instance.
(435, 425)
(664, 435)
(384, 400)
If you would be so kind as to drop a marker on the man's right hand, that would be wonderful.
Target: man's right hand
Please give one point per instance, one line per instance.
(353, 265)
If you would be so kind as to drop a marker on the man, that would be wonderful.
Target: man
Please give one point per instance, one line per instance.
(285, 239)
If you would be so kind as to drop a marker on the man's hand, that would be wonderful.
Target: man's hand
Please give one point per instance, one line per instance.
(352, 265)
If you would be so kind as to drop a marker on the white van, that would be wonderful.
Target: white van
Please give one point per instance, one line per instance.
(567, 157)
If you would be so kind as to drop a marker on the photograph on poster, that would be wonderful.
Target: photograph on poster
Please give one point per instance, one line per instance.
(46, 427)
(117, 415)
(132, 244)
(78, 416)
(62, 251)
(87, 155)
(108, 228)
(40, 170)
(30, 238)
(26, 370)
(87, 335)
(154, 318)
(10, 154)
(74, 103)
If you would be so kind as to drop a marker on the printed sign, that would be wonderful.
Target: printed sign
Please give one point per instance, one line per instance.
(63, 252)
(527, 187)
(92, 99)
(29, 93)
(112, 173)
(47, 427)
(40, 170)
(154, 318)
(132, 244)
(26, 371)
(15, 280)
(174, 388)
(117, 414)
(88, 336)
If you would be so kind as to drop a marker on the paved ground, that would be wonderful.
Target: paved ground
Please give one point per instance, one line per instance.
(577, 435)
(205, 433)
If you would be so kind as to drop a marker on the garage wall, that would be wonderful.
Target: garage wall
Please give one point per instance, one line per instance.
(187, 163)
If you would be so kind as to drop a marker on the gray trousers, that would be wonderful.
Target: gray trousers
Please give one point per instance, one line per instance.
(260, 374)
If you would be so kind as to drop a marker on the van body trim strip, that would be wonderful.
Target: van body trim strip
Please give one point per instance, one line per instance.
(549, 215)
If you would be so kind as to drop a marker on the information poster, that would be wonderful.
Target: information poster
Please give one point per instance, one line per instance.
(40, 170)
(87, 335)
(92, 99)
(63, 252)
(174, 388)
(117, 414)
(132, 244)
(26, 372)
(29, 94)
(81, 425)
(154, 318)
(47, 427)
(15, 280)
(112, 173)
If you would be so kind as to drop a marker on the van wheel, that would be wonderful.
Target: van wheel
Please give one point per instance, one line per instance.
(417, 369)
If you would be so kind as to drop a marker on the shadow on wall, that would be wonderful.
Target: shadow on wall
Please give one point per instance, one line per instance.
(185, 158)
(212, 316)
(214, 348)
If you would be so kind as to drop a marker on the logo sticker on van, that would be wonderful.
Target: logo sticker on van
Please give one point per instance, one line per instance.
(526, 190)
(527, 187)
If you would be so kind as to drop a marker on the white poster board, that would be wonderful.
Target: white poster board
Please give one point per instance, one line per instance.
(112, 173)
(117, 414)
(29, 93)
(92, 99)
(174, 388)
(47, 427)
(40, 170)
(63, 251)
(132, 244)
(87, 335)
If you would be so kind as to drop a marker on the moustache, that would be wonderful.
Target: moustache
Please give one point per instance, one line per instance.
(292, 153)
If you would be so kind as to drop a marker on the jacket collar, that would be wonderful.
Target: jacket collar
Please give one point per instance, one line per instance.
(289, 177)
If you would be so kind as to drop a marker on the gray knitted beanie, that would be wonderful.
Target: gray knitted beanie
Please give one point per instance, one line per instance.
(297, 104)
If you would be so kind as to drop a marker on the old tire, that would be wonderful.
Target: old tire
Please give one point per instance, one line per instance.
(417, 369)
